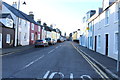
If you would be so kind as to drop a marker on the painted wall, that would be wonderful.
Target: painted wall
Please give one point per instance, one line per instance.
(7, 31)
(6, 10)
(101, 29)
(34, 33)
(24, 31)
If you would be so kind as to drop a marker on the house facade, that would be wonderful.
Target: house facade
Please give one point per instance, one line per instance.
(103, 30)
(106, 32)
(86, 37)
(21, 24)
(35, 32)
(7, 32)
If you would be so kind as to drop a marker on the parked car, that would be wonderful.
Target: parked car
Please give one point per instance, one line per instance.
(49, 40)
(54, 41)
(41, 43)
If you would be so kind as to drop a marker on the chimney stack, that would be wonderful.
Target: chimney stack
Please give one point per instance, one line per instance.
(14, 5)
(31, 14)
(39, 21)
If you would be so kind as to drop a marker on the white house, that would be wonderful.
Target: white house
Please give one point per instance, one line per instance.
(87, 39)
(105, 26)
(22, 25)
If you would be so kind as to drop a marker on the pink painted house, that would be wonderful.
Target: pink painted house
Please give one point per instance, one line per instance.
(35, 31)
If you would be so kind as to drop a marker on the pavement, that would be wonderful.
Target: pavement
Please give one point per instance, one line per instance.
(5, 51)
(106, 63)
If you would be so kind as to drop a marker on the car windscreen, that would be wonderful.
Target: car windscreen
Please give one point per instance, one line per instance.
(39, 40)
(47, 38)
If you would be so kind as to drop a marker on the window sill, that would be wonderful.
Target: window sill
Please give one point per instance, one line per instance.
(106, 25)
(115, 22)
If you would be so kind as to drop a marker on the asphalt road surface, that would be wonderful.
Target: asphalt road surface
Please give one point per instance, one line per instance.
(62, 60)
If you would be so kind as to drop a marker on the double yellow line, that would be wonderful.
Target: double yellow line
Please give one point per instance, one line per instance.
(93, 65)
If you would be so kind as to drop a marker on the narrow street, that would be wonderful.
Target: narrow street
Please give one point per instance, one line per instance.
(46, 62)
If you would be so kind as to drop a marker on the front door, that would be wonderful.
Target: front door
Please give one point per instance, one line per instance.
(95, 43)
(0, 40)
(106, 47)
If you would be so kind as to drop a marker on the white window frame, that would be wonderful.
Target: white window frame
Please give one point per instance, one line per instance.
(99, 41)
(25, 37)
(38, 36)
(90, 41)
(116, 43)
(39, 28)
(25, 23)
(20, 21)
(107, 13)
(8, 38)
(32, 36)
(116, 13)
(32, 26)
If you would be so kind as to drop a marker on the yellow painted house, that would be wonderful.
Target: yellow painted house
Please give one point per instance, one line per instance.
(74, 36)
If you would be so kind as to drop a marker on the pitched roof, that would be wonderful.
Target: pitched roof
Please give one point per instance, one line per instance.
(48, 28)
(1, 24)
(5, 15)
(19, 13)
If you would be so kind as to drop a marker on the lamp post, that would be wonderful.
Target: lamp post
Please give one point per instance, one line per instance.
(18, 20)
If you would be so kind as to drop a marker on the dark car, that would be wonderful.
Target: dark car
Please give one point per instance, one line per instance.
(41, 43)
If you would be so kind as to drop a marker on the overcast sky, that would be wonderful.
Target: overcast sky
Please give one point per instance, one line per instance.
(65, 14)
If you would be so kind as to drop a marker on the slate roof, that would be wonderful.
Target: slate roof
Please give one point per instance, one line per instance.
(1, 24)
(6, 15)
(19, 13)
(54, 30)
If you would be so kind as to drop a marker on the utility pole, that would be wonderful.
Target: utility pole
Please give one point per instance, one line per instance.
(118, 61)
(18, 21)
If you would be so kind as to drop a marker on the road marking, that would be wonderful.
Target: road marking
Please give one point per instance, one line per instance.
(87, 76)
(94, 66)
(51, 76)
(71, 76)
(51, 51)
(56, 47)
(46, 75)
(59, 73)
(33, 62)
(7, 54)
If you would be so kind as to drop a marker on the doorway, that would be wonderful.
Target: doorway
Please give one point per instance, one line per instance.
(0, 40)
(95, 43)
(106, 44)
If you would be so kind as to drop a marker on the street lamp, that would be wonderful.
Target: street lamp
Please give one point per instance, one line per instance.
(18, 20)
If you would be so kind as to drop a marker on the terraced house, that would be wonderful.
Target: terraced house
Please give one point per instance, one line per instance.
(103, 28)
(26, 29)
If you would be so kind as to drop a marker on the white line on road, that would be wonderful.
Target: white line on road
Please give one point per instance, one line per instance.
(33, 62)
(7, 54)
(86, 76)
(52, 75)
(46, 75)
(71, 76)
(51, 51)
(56, 47)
